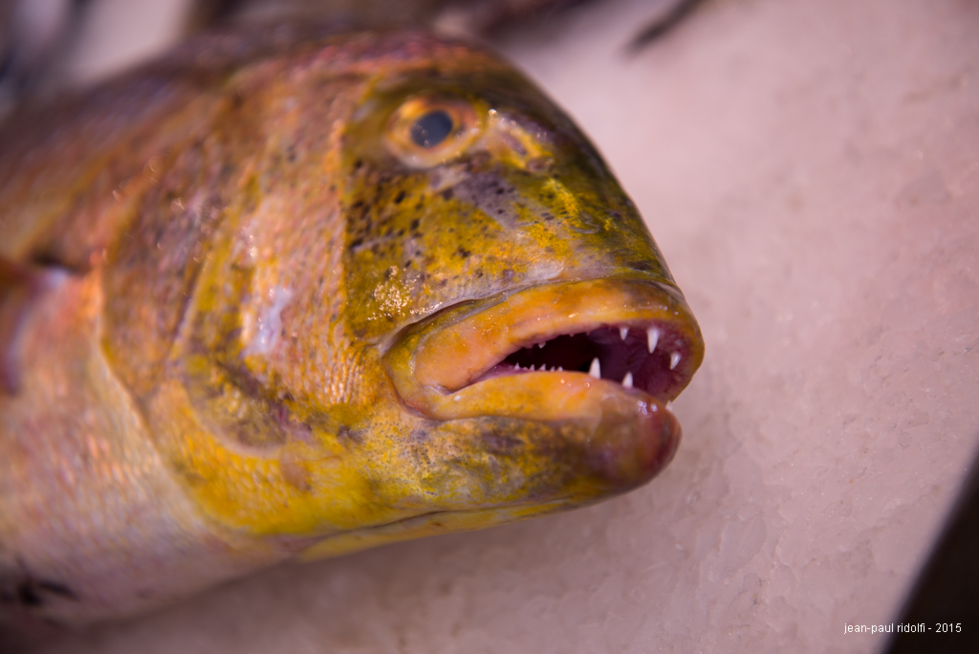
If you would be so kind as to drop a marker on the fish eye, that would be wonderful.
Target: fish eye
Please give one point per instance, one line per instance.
(432, 128)
(427, 130)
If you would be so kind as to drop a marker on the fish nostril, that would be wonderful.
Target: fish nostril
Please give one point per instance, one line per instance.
(540, 165)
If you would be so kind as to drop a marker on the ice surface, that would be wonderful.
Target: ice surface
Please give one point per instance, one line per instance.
(811, 171)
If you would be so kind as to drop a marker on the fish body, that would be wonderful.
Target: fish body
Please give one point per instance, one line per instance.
(288, 296)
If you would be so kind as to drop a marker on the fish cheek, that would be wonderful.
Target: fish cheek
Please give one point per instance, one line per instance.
(411, 249)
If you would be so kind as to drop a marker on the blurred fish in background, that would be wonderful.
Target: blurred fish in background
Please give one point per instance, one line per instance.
(33, 34)
(47, 46)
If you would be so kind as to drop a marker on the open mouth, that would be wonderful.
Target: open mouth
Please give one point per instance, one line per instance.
(644, 357)
(564, 350)
(592, 363)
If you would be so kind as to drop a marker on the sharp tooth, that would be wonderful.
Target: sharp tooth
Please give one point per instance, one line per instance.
(517, 367)
(540, 345)
(627, 380)
(596, 369)
(560, 369)
(652, 337)
(674, 359)
(531, 368)
(623, 332)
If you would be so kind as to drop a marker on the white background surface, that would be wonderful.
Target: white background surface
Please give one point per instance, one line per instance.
(811, 171)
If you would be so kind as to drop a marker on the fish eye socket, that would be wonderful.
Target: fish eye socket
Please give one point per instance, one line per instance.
(427, 130)
(432, 128)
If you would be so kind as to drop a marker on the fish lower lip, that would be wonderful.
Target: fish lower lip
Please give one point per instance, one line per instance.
(604, 334)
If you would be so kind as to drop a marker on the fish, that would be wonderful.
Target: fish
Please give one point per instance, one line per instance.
(288, 293)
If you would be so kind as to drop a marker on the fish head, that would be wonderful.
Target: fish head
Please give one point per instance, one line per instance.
(433, 308)
(526, 322)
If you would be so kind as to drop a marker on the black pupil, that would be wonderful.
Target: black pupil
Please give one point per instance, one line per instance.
(431, 129)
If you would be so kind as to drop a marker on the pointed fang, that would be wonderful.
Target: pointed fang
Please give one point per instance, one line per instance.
(623, 332)
(652, 337)
(674, 359)
(596, 369)
(627, 380)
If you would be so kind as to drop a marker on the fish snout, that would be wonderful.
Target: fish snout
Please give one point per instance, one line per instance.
(594, 361)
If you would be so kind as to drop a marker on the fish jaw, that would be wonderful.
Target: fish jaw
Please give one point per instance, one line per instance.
(464, 363)
(423, 526)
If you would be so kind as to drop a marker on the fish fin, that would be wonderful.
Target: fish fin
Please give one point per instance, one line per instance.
(20, 285)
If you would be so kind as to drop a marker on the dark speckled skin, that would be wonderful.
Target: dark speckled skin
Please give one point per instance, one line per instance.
(566, 219)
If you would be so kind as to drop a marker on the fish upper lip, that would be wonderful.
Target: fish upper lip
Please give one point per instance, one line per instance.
(475, 360)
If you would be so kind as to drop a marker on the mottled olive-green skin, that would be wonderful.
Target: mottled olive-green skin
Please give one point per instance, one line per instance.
(241, 249)
(510, 223)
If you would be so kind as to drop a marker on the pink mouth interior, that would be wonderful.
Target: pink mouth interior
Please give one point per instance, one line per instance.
(662, 372)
